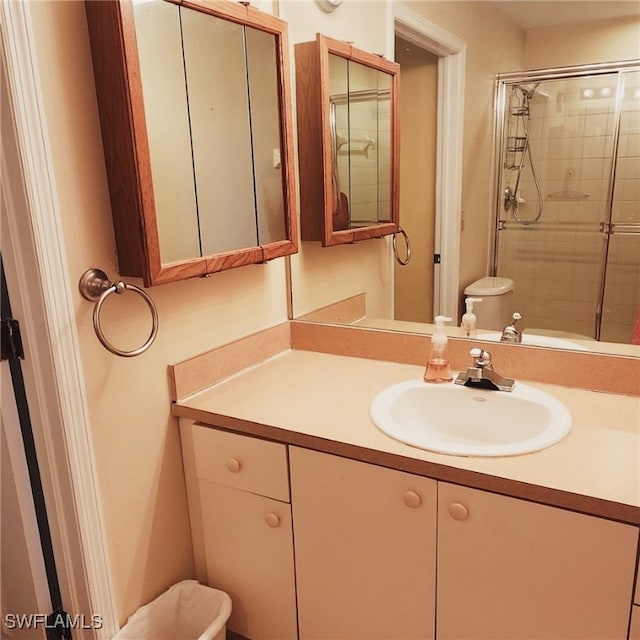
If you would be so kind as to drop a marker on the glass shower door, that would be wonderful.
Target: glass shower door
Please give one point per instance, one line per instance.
(621, 300)
(557, 154)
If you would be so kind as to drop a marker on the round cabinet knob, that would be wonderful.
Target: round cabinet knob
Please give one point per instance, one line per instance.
(273, 520)
(234, 465)
(412, 499)
(458, 511)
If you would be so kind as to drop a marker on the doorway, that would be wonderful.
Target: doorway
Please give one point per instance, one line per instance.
(450, 53)
(413, 283)
(29, 587)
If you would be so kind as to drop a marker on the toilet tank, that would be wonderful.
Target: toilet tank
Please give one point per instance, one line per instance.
(496, 308)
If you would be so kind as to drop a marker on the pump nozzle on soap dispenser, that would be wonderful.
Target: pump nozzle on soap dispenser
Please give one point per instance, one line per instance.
(438, 366)
(469, 320)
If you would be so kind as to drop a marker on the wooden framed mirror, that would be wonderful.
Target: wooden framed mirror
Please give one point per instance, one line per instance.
(194, 100)
(348, 142)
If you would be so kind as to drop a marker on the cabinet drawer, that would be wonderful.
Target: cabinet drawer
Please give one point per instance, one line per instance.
(242, 462)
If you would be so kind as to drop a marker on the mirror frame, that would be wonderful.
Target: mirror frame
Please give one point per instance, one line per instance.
(314, 140)
(120, 101)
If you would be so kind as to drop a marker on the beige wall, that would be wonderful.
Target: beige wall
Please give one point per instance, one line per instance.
(583, 43)
(135, 438)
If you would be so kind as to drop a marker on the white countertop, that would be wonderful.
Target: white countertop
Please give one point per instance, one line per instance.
(322, 401)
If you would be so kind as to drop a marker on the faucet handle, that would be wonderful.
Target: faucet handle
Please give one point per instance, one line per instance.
(511, 333)
(481, 358)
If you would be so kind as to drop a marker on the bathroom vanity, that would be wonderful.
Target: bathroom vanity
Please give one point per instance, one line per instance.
(320, 526)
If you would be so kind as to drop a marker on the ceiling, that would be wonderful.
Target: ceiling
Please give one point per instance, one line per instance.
(530, 14)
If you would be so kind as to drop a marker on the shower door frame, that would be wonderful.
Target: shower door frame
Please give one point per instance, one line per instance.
(505, 80)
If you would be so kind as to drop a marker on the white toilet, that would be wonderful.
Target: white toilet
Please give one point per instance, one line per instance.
(496, 308)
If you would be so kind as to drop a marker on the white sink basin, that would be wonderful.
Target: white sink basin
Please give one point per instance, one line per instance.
(452, 419)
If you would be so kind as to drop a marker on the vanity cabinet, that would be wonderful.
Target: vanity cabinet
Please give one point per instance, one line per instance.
(508, 568)
(348, 142)
(241, 523)
(382, 553)
(195, 111)
(365, 548)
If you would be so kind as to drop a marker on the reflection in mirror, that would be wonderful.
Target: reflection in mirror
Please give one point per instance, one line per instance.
(568, 230)
(219, 121)
(347, 107)
(360, 115)
(265, 135)
(229, 109)
(199, 154)
(339, 123)
(159, 38)
(537, 40)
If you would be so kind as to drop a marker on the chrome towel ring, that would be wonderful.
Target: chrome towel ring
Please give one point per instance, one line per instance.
(96, 287)
(407, 257)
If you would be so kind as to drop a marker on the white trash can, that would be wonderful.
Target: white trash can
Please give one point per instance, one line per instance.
(186, 611)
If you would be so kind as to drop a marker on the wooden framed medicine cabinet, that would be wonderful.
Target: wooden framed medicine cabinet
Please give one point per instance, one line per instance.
(348, 142)
(194, 100)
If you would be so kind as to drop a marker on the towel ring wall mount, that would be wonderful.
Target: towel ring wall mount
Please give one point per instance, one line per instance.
(403, 261)
(95, 286)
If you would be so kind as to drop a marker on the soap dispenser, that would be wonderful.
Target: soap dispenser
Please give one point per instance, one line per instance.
(438, 366)
(468, 322)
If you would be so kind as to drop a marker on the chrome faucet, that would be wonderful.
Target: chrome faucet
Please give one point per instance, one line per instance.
(482, 375)
(511, 333)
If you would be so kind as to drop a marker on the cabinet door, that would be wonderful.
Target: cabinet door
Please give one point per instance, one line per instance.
(365, 549)
(249, 554)
(634, 627)
(348, 142)
(511, 569)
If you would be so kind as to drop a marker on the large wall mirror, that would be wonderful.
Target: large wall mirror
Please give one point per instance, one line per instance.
(347, 104)
(509, 38)
(195, 110)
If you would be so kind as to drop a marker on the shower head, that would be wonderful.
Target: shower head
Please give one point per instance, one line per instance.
(530, 89)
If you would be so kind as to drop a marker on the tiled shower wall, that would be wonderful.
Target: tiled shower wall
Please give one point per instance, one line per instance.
(556, 263)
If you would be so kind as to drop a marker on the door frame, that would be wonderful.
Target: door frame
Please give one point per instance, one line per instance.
(451, 52)
(41, 294)
(25, 518)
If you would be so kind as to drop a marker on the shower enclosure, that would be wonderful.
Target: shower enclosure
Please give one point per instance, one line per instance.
(567, 188)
